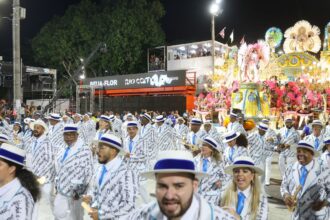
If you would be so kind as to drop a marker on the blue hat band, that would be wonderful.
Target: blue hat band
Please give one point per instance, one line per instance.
(327, 142)
(110, 141)
(147, 117)
(214, 145)
(55, 118)
(3, 138)
(305, 145)
(11, 156)
(104, 118)
(132, 124)
(230, 137)
(70, 129)
(243, 162)
(196, 122)
(174, 164)
(262, 127)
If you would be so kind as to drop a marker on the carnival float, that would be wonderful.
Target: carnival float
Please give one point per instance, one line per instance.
(272, 79)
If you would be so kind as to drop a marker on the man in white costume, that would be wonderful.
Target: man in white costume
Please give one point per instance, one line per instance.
(74, 171)
(176, 188)
(115, 186)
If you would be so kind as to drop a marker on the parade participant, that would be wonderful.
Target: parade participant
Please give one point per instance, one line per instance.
(66, 119)
(55, 133)
(259, 147)
(116, 124)
(77, 119)
(115, 177)
(28, 136)
(234, 124)
(148, 134)
(41, 160)
(88, 129)
(3, 139)
(136, 148)
(236, 147)
(243, 196)
(17, 134)
(74, 170)
(5, 128)
(209, 161)
(271, 138)
(316, 136)
(176, 191)
(127, 118)
(325, 157)
(19, 189)
(211, 131)
(306, 185)
(195, 136)
(104, 127)
(166, 137)
(180, 128)
(288, 137)
(36, 115)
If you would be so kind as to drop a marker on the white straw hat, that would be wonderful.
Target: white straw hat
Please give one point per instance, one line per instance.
(174, 161)
(243, 162)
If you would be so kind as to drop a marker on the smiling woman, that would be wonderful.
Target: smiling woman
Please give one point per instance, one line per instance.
(243, 195)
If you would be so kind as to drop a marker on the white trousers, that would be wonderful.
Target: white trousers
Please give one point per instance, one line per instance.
(284, 162)
(268, 169)
(67, 208)
(44, 207)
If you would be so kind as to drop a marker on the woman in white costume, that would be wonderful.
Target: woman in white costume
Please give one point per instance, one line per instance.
(243, 196)
(19, 189)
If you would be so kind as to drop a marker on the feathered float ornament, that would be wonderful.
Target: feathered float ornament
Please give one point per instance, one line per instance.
(251, 58)
(302, 37)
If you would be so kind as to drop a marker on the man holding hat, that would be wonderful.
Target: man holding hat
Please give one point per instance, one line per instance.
(317, 135)
(306, 185)
(288, 137)
(41, 160)
(55, 133)
(115, 186)
(234, 124)
(74, 170)
(176, 188)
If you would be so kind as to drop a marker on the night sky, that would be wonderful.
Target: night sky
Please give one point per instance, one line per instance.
(185, 20)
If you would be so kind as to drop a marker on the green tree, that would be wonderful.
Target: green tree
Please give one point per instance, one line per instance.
(128, 27)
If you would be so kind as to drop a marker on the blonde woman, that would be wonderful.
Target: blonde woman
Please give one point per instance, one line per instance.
(243, 197)
(209, 161)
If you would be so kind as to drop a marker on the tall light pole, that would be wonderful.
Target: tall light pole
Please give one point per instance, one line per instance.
(215, 11)
(18, 14)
